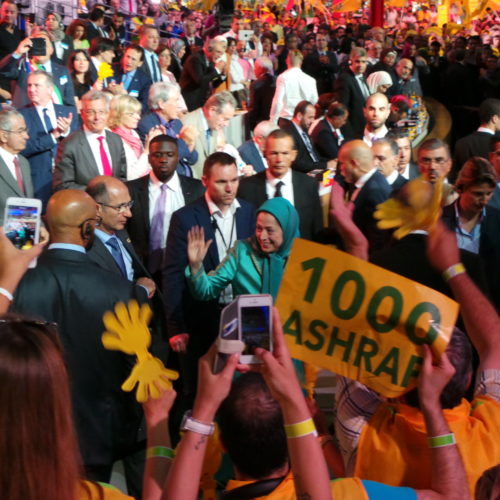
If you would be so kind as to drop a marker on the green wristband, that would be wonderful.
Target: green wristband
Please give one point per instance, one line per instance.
(160, 451)
(440, 441)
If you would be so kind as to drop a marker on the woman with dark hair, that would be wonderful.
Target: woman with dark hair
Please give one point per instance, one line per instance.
(474, 222)
(78, 33)
(79, 69)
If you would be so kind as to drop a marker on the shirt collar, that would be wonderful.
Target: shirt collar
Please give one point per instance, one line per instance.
(486, 130)
(286, 179)
(391, 178)
(6, 156)
(104, 237)
(214, 209)
(67, 246)
(364, 178)
(49, 106)
(91, 135)
(174, 183)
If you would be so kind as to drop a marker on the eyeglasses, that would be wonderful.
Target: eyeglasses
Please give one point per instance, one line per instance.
(122, 207)
(93, 112)
(429, 161)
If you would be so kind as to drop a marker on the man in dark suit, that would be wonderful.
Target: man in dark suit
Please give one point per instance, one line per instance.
(48, 123)
(385, 158)
(202, 72)
(352, 91)
(14, 67)
(192, 41)
(165, 112)
(252, 151)
(478, 143)
(102, 50)
(15, 176)
(128, 77)
(225, 219)
(149, 40)
(92, 150)
(368, 189)
(280, 180)
(262, 91)
(307, 157)
(95, 24)
(322, 64)
(67, 288)
(327, 136)
(406, 167)
(148, 226)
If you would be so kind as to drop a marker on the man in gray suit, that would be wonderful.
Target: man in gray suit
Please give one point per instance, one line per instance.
(210, 121)
(15, 173)
(92, 150)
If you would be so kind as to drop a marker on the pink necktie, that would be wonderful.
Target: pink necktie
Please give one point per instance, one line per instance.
(106, 166)
(19, 175)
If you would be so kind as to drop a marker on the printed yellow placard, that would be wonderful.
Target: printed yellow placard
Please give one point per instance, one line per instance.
(359, 320)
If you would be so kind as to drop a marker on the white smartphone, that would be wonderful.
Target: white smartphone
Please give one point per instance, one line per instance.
(245, 35)
(22, 221)
(255, 323)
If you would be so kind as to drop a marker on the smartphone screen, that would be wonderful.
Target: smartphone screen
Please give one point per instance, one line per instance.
(255, 328)
(22, 225)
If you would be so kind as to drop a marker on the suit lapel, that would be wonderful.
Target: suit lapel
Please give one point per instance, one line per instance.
(9, 179)
(202, 216)
(114, 152)
(143, 199)
(103, 255)
(87, 152)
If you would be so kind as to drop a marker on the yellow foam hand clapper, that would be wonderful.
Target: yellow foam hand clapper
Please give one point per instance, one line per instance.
(127, 331)
(417, 206)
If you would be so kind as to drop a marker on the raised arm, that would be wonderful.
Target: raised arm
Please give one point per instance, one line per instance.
(448, 479)
(306, 457)
(479, 315)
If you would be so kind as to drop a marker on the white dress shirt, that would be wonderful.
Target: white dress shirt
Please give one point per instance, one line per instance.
(361, 182)
(370, 137)
(391, 178)
(286, 189)
(8, 159)
(175, 200)
(95, 146)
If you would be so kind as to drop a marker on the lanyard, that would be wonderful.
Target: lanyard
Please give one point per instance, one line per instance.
(217, 228)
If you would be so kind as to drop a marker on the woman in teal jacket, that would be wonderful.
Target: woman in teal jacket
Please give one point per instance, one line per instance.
(254, 265)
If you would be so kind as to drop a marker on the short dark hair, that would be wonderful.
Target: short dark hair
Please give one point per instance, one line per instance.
(390, 142)
(488, 109)
(100, 44)
(252, 428)
(281, 134)
(96, 14)
(398, 133)
(164, 138)
(98, 191)
(301, 108)
(137, 48)
(433, 144)
(218, 158)
(336, 109)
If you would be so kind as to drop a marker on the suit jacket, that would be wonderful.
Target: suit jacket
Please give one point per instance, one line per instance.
(93, 32)
(9, 186)
(325, 140)
(180, 305)
(67, 288)
(15, 70)
(261, 97)
(186, 158)
(202, 146)
(198, 77)
(251, 155)
(350, 95)
(138, 225)
(305, 194)
(198, 43)
(475, 144)
(138, 87)
(75, 163)
(145, 67)
(303, 162)
(489, 245)
(324, 74)
(376, 190)
(398, 183)
(414, 171)
(68, 48)
(41, 150)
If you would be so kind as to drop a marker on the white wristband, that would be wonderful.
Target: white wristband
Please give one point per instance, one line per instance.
(6, 294)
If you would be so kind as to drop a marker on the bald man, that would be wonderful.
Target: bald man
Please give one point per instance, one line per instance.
(67, 288)
(368, 188)
(376, 112)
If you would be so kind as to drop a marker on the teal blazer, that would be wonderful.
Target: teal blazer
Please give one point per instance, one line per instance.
(242, 268)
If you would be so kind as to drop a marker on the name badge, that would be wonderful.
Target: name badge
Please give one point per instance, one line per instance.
(63, 80)
(64, 45)
(134, 93)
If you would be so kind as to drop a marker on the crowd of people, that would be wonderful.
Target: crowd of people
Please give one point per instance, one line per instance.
(177, 156)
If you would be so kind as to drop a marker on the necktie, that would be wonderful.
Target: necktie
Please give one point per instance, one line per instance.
(126, 81)
(208, 135)
(117, 255)
(42, 67)
(156, 231)
(309, 147)
(106, 166)
(154, 71)
(277, 192)
(19, 177)
(46, 119)
(170, 130)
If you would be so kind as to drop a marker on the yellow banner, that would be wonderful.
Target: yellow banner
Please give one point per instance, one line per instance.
(359, 320)
(346, 5)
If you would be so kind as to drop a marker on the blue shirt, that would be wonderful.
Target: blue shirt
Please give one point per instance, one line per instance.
(104, 237)
(465, 240)
(67, 246)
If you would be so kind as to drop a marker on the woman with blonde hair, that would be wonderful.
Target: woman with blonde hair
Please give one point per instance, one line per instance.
(125, 113)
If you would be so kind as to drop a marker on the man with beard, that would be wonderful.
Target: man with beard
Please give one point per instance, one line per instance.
(376, 112)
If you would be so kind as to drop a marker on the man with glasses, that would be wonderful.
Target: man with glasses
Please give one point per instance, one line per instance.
(67, 288)
(92, 150)
(15, 173)
(48, 123)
